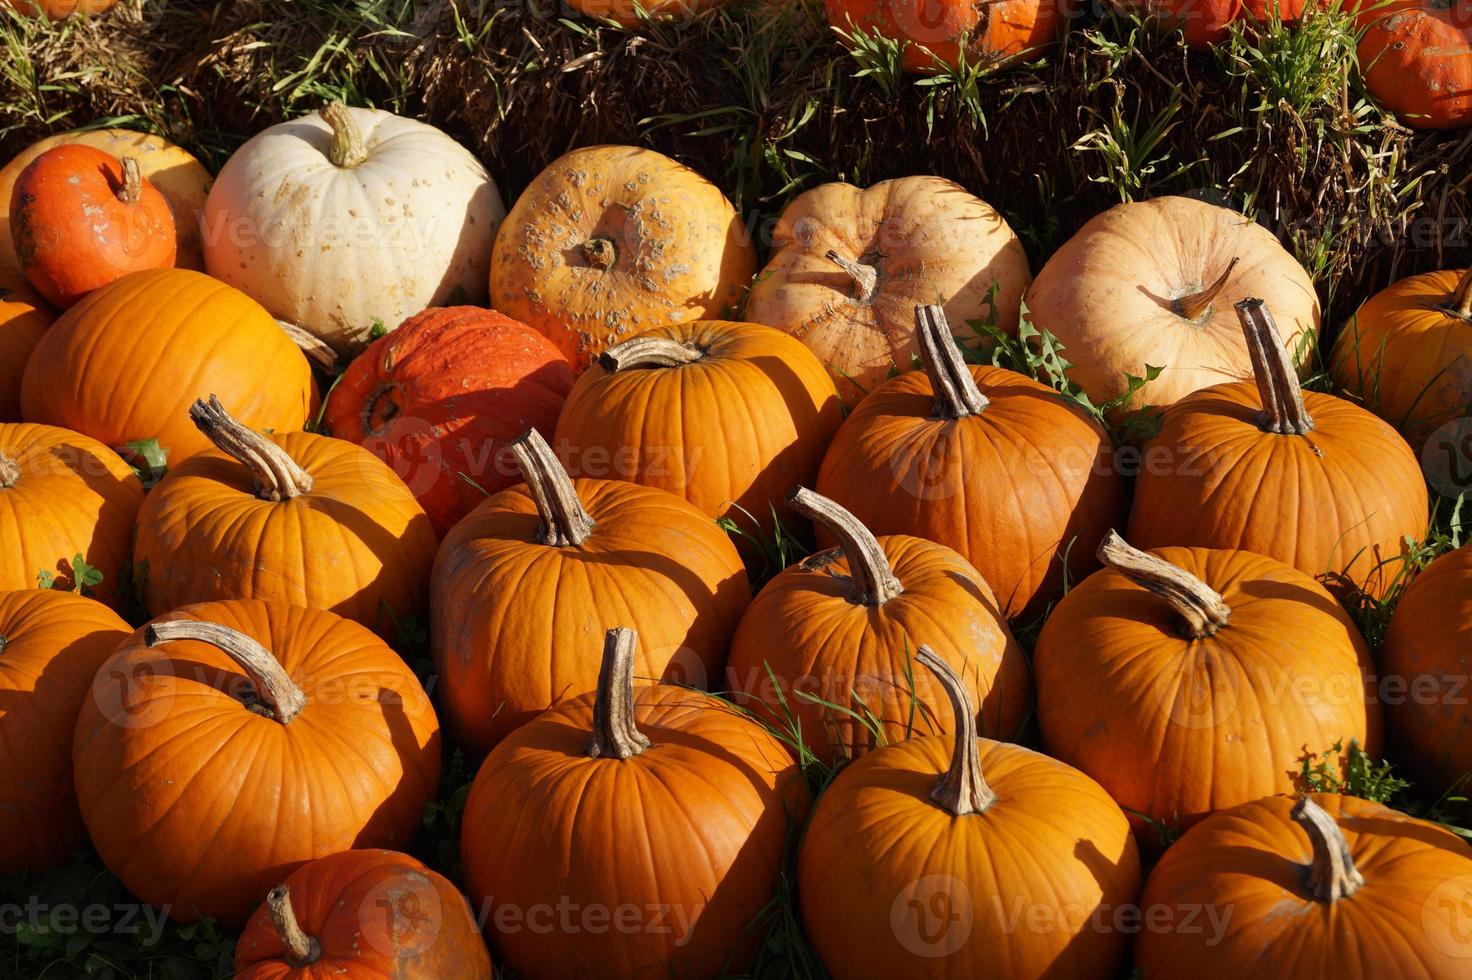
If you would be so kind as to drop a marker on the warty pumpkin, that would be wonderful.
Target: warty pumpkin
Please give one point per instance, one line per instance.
(729, 416)
(985, 461)
(1208, 22)
(51, 644)
(937, 32)
(611, 241)
(827, 648)
(1416, 56)
(126, 363)
(632, 13)
(1153, 283)
(1325, 885)
(61, 9)
(62, 495)
(910, 865)
(1304, 477)
(363, 915)
(584, 553)
(1189, 680)
(849, 266)
(24, 317)
(227, 743)
(661, 817)
(347, 218)
(297, 518)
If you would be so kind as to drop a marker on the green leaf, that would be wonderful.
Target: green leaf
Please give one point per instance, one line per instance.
(149, 459)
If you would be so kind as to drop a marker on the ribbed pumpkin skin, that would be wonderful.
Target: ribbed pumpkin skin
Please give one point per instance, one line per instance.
(1338, 513)
(442, 395)
(53, 643)
(1247, 865)
(74, 497)
(691, 832)
(24, 317)
(743, 425)
(1176, 728)
(355, 543)
(127, 361)
(803, 627)
(1014, 489)
(378, 915)
(1417, 60)
(653, 562)
(936, 29)
(893, 885)
(202, 805)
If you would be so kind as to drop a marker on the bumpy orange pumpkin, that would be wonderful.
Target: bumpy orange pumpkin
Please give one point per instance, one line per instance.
(295, 518)
(984, 460)
(24, 317)
(631, 13)
(1207, 22)
(126, 363)
(60, 9)
(1417, 59)
(611, 241)
(63, 495)
(584, 553)
(936, 31)
(227, 743)
(1189, 680)
(729, 416)
(1304, 477)
(363, 915)
(829, 644)
(661, 815)
(51, 644)
(1325, 886)
(910, 866)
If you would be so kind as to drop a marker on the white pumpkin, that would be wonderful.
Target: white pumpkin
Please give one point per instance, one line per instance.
(351, 217)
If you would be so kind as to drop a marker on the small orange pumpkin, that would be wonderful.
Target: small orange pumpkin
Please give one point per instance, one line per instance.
(632, 13)
(24, 317)
(935, 32)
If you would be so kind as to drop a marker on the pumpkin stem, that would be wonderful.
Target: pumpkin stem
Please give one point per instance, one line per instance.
(1283, 410)
(866, 277)
(132, 190)
(1201, 607)
(9, 472)
(600, 253)
(1332, 875)
(301, 949)
(277, 476)
(1460, 303)
(648, 352)
(347, 148)
(315, 348)
(874, 581)
(614, 734)
(1194, 306)
(956, 393)
(565, 523)
(961, 789)
(272, 684)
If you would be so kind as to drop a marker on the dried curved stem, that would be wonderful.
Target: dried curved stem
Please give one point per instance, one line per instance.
(865, 277)
(1332, 875)
(301, 949)
(1196, 305)
(565, 523)
(347, 148)
(647, 351)
(1459, 304)
(956, 392)
(874, 581)
(1283, 409)
(9, 472)
(273, 686)
(132, 190)
(961, 789)
(1201, 608)
(615, 736)
(600, 253)
(277, 475)
(317, 350)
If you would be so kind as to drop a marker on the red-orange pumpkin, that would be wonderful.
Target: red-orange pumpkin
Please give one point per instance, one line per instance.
(1417, 59)
(935, 32)
(60, 9)
(1208, 22)
(24, 317)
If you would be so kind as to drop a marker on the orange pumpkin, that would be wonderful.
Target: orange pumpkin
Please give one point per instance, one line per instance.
(632, 13)
(1208, 22)
(828, 646)
(63, 495)
(584, 553)
(611, 241)
(295, 518)
(661, 817)
(80, 219)
(910, 866)
(985, 461)
(1189, 680)
(1304, 477)
(126, 363)
(24, 317)
(1416, 56)
(1324, 886)
(727, 415)
(363, 915)
(61, 9)
(227, 743)
(935, 32)
(51, 644)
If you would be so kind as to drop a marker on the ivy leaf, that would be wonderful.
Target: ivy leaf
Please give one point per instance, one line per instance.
(149, 459)
(84, 577)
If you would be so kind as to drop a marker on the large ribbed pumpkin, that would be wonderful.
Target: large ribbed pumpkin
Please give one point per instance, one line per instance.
(1189, 680)
(526, 584)
(729, 416)
(913, 863)
(1307, 478)
(295, 518)
(660, 812)
(228, 742)
(51, 644)
(63, 495)
(936, 32)
(126, 363)
(24, 317)
(1417, 59)
(828, 647)
(984, 460)
(439, 398)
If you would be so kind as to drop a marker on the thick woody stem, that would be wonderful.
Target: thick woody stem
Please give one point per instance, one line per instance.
(600, 253)
(615, 735)
(272, 684)
(642, 352)
(1283, 410)
(277, 475)
(1332, 875)
(347, 148)
(315, 348)
(961, 789)
(1195, 305)
(865, 277)
(1459, 304)
(1201, 608)
(956, 393)
(301, 949)
(565, 523)
(9, 472)
(132, 190)
(874, 581)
